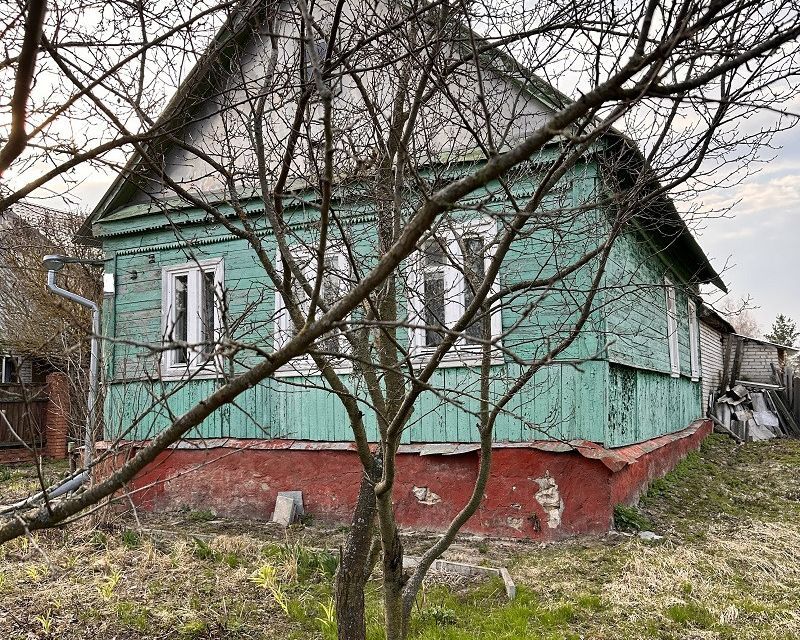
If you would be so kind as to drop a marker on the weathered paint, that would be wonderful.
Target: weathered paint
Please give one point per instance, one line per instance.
(592, 402)
(532, 493)
(561, 403)
(646, 404)
(636, 309)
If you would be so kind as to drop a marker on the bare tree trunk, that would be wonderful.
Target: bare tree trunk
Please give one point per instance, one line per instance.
(355, 563)
(393, 582)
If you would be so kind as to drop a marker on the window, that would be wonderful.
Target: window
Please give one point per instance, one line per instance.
(694, 342)
(335, 276)
(9, 370)
(192, 314)
(672, 328)
(442, 282)
(474, 272)
(433, 296)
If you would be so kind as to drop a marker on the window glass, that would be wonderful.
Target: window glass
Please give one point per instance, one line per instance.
(447, 271)
(474, 271)
(331, 293)
(321, 50)
(9, 370)
(207, 315)
(181, 320)
(434, 293)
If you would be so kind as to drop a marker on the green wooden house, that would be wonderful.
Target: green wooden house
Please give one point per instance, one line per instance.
(632, 376)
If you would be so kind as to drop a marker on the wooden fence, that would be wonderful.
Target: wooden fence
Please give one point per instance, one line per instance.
(788, 398)
(24, 408)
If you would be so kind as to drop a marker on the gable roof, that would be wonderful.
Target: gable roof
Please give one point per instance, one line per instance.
(236, 29)
(672, 233)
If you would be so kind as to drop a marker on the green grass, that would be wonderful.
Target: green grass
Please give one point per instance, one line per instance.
(630, 519)
(20, 480)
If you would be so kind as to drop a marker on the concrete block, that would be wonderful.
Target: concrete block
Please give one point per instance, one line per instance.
(297, 496)
(285, 511)
(463, 569)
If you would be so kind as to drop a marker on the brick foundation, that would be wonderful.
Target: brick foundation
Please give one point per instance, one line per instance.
(535, 491)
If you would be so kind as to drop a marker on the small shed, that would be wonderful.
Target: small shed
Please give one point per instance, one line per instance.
(714, 330)
(756, 358)
(727, 357)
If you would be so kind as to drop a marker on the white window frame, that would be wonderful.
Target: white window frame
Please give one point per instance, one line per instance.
(672, 329)
(197, 365)
(5, 359)
(463, 352)
(305, 365)
(694, 340)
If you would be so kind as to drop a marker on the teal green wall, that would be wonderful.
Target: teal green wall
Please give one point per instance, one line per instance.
(645, 404)
(562, 402)
(636, 307)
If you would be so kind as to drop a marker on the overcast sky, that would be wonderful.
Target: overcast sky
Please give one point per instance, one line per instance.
(757, 246)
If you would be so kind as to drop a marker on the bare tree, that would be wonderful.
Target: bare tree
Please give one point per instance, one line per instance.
(740, 315)
(434, 119)
(34, 324)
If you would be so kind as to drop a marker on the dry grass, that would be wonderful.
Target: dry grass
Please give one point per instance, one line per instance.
(20, 480)
(103, 585)
(728, 568)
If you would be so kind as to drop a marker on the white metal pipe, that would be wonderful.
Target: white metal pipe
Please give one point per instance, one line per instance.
(94, 364)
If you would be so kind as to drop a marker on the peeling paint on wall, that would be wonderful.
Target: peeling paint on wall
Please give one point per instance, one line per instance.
(425, 496)
(550, 499)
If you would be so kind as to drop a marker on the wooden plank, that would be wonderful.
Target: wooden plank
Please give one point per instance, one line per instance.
(736, 367)
(721, 428)
(796, 398)
(783, 412)
(726, 360)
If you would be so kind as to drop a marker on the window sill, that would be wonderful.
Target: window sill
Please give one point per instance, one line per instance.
(305, 369)
(198, 373)
(454, 359)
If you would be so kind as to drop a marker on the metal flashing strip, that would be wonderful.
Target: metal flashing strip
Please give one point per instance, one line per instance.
(614, 459)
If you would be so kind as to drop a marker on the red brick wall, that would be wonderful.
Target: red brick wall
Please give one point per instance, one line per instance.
(56, 422)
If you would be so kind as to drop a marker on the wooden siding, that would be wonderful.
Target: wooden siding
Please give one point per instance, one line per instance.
(562, 402)
(646, 404)
(711, 360)
(636, 309)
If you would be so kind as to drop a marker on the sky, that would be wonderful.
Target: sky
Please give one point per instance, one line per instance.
(756, 247)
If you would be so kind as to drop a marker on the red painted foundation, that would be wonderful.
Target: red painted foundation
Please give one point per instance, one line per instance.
(543, 490)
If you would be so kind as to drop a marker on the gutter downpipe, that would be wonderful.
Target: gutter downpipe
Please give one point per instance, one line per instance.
(94, 366)
(75, 481)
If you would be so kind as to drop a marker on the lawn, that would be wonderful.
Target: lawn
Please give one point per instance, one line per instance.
(728, 566)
